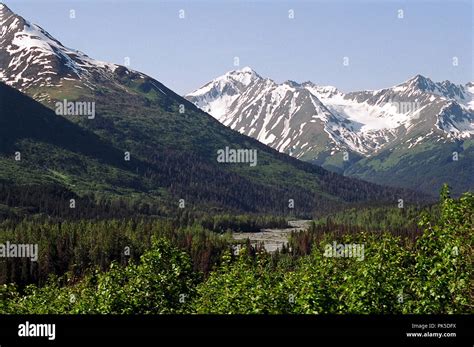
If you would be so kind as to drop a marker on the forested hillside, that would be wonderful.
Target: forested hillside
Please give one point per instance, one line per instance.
(431, 274)
(39, 148)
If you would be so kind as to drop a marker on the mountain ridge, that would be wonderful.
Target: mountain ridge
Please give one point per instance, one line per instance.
(336, 129)
(172, 144)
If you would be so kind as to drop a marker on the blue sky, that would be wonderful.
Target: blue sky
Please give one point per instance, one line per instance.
(383, 50)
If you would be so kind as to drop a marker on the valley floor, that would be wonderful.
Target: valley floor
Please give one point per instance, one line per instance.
(273, 239)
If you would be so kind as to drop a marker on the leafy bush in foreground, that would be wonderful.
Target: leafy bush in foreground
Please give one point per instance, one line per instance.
(162, 282)
(433, 275)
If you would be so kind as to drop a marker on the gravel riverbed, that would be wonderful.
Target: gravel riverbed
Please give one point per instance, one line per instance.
(273, 239)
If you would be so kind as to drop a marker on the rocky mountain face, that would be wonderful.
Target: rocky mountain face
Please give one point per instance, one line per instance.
(31, 58)
(353, 132)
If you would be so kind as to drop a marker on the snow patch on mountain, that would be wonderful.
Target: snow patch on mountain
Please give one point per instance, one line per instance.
(216, 96)
(32, 57)
(288, 114)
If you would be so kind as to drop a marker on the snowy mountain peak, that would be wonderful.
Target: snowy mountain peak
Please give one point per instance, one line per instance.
(246, 69)
(216, 96)
(4, 10)
(316, 119)
(229, 83)
(30, 56)
(420, 82)
(5, 15)
(322, 92)
(420, 85)
(245, 75)
(292, 84)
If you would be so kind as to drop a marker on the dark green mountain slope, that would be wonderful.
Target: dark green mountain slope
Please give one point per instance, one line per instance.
(172, 144)
(173, 156)
(424, 168)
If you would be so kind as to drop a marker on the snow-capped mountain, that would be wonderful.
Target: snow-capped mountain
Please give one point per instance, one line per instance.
(272, 113)
(31, 59)
(308, 119)
(220, 93)
(284, 116)
(387, 136)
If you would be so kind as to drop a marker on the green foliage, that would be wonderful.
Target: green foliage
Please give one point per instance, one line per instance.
(444, 258)
(162, 282)
(77, 246)
(402, 222)
(424, 167)
(240, 223)
(434, 275)
(243, 287)
(384, 218)
(431, 275)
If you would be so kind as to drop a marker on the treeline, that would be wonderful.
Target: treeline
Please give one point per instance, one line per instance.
(432, 275)
(401, 222)
(77, 245)
(392, 219)
(54, 201)
(237, 223)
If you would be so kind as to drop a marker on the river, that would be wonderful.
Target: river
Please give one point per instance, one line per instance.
(273, 239)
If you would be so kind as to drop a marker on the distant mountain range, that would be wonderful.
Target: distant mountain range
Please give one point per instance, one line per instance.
(418, 134)
(145, 143)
